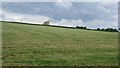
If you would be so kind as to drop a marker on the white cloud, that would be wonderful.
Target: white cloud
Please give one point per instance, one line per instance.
(108, 3)
(36, 10)
(90, 24)
(60, 4)
(63, 0)
(102, 24)
(115, 17)
(35, 19)
(8, 16)
(69, 23)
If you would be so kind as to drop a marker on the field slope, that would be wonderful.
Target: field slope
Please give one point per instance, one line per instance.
(55, 46)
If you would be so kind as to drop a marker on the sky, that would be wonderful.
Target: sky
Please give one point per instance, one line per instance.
(90, 14)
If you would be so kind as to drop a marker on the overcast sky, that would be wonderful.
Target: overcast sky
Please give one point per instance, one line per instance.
(90, 14)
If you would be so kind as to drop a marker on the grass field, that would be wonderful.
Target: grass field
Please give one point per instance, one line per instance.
(55, 46)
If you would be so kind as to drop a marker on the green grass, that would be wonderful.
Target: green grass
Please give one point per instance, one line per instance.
(55, 46)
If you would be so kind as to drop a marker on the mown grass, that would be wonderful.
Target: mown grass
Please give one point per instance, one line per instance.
(55, 46)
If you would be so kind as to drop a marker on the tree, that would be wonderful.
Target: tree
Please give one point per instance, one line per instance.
(84, 27)
(46, 23)
(115, 30)
(111, 30)
(81, 27)
(98, 28)
(102, 29)
(77, 26)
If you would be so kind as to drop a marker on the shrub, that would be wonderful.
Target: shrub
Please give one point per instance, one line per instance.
(98, 28)
(81, 27)
(46, 23)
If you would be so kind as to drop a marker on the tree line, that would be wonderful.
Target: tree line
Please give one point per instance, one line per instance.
(108, 29)
(98, 29)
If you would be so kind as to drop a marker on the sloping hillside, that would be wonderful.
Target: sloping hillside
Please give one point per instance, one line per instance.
(43, 45)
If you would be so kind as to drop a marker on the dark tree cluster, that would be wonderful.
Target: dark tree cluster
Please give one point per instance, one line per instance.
(46, 23)
(81, 27)
(107, 29)
(98, 29)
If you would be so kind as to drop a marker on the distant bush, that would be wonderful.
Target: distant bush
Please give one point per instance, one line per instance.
(111, 30)
(102, 29)
(84, 27)
(98, 28)
(81, 27)
(107, 29)
(46, 23)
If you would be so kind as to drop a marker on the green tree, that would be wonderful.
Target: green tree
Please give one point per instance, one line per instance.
(98, 28)
(46, 23)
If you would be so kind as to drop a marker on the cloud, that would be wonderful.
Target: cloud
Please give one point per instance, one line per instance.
(115, 17)
(35, 19)
(57, 0)
(65, 10)
(90, 24)
(102, 24)
(70, 23)
(60, 4)
(36, 10)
